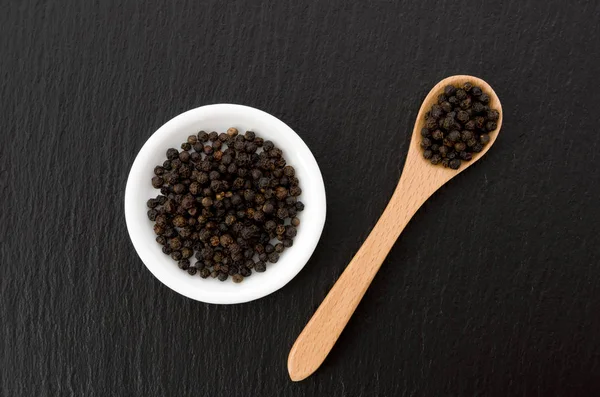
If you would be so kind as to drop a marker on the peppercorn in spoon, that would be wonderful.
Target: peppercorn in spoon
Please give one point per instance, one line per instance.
(419, 180)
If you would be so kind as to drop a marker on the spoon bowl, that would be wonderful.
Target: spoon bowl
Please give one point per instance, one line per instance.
(419, 180)
(433, 177)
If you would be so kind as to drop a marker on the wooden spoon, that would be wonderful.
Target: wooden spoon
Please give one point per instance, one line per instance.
(419, 180)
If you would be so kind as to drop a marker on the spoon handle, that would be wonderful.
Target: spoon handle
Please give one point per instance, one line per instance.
(328, 322)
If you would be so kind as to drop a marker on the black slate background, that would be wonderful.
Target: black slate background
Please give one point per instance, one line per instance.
(493, 288)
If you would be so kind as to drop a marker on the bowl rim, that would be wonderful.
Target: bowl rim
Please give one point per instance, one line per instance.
(293, 265)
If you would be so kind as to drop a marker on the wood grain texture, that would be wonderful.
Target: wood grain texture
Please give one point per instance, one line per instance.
(419, 180)
(493, 290)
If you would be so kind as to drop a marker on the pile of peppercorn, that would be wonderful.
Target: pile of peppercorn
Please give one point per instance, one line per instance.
(228, 199)
(458, 125)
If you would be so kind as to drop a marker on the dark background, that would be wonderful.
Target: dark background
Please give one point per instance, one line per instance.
(493, 288)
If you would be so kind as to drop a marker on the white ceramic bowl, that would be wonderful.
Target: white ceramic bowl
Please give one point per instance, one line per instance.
(218, 118)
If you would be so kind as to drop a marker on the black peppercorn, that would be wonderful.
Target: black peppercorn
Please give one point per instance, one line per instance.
(282, 213)
(466, 135)
(223, 137)
(270, 225)
(281, 193)
(152, 214)
(207, 202)
(431, 123)
(295, 191)
(289, 171)
(237, 278)
(454, 136)
(290, 231)
(436, 111)
(186, 253)
(462, 116)
(202, 178)
(259, 216)
(446, 106)
(213, 136)
(184, 264)
(187, 202)
(192, 139)
(157, 182)
(172, 154)
(490, 126)
(492, 115)
(179, 188)
(454, 164)
(202, 136)
(437, 135)
(161, 220)
(250, 135)
(260, 267)
(465, 156)
(198, 147)
(159, 229)
(446, 123)
(478, 107)
(465, 104)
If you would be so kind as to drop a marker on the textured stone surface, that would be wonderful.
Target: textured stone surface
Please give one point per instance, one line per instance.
(493, 289)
